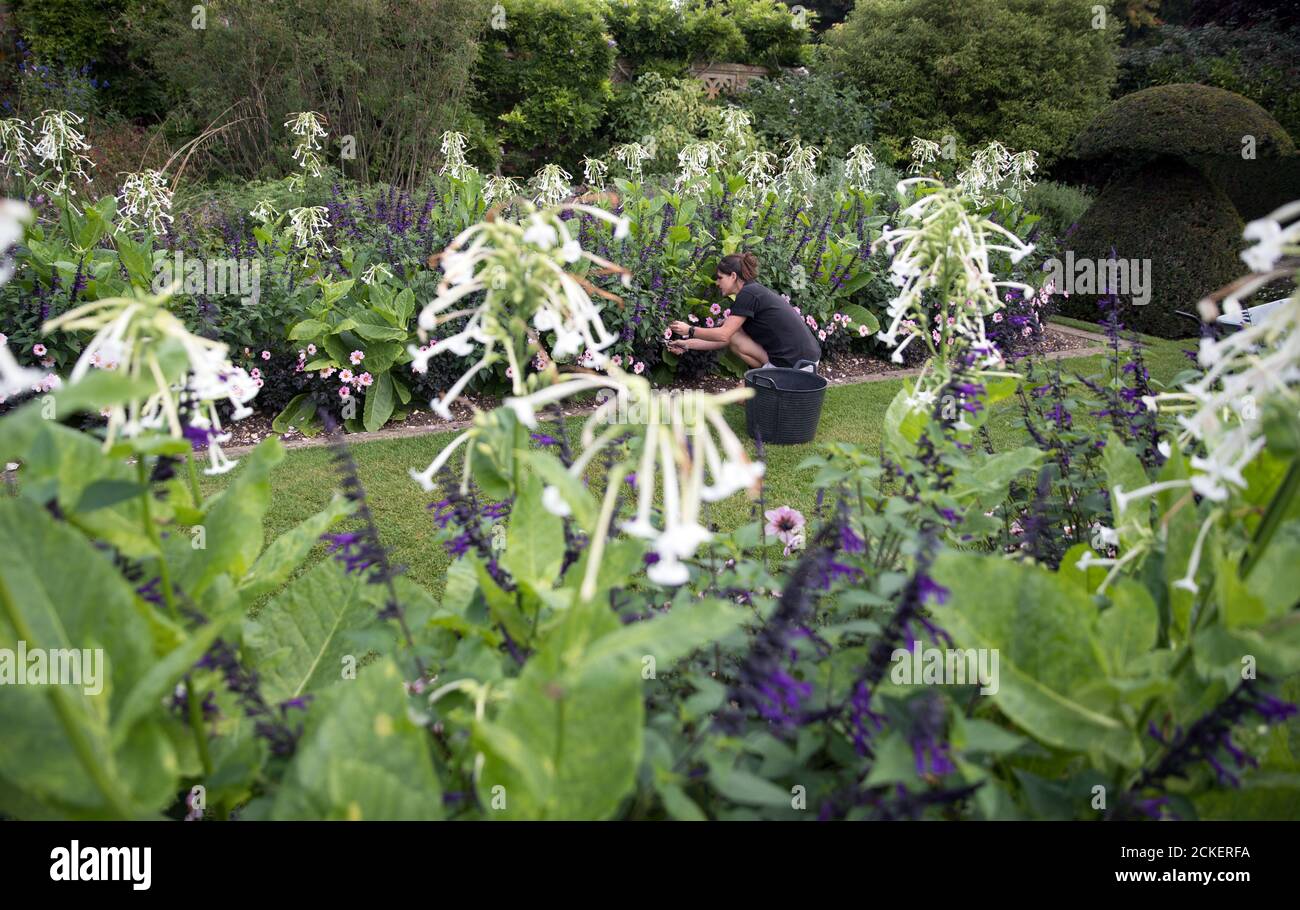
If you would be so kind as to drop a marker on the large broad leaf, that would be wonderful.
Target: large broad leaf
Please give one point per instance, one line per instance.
(988, 483)
(284, 554)
(861, 316)
(1124, 471)
(535, 537)
(233, 533)
(1128, 629)
(1052, 680)
(57, 749)
(568, 742)
(361, 756)
(298, 414)
(374, 327)
(379, 403)
(668, 638)
(298, 641)
(1178, 510)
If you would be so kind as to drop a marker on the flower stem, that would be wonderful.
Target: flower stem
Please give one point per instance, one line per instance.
(1277, 511)
(151, 531)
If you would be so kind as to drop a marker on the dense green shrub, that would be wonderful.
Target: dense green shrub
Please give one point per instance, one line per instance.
(1059, 206)
(817, 108)
(647, 32)
(392, 76)
(1029, 73)
(1169, 213)
(1185, 120)
(773, 37)
(544, 79)
(712, 35)
(1257, 187)
(1258, 62)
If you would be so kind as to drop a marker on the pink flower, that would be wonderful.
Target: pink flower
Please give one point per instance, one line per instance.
(344, 391)
(258, 382)
(952, 320)
(726, 312)
(639, 368)
(356, 357)
(266, 355)
(668, 334)
(47, 363)
(365, 380)
(1027, 331)
(715, 309)
(345, 375)
(311, 349)
(786, 298)
(786, 523)
(255, 373)
(38, 350)
(838, 317)
(935, 335)
(302, 355)
(327, 372)
(4, 339)
(799, 311)
(510, 372)
(708, 322)
(997, 317)
(617, 360)
(821, 335)
(692, 318)
(862, 330)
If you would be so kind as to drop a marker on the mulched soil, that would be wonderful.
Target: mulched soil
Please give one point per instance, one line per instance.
(842, 371)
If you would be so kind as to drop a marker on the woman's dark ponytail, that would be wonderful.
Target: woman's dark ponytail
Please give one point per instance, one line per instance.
(743, 264)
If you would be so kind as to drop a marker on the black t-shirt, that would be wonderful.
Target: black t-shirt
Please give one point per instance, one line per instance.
(775, 326)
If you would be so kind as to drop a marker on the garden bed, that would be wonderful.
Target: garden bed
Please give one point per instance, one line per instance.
(1058, 341)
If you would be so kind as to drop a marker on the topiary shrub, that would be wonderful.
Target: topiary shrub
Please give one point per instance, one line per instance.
(1168, 213)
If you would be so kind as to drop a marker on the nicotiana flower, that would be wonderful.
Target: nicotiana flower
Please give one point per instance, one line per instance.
(1272, 241)
(500, 189)
(695, 160)
(454, 163)
(306, 231)
(134, 333)
(264, 211)
(632, 156)
(759, 172)
(377, 272)
(594, 171)
(551, 184)
(59, 148)
(923, 152)
(858, 167)
(940, 247)
(307, 126)
(15, 147)
(799, 169)
(520, 270)
(146, 201)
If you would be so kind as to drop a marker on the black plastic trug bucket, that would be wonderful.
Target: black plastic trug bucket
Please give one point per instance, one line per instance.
(786, 406)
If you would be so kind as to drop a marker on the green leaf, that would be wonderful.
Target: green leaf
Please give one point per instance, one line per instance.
(568, 742)
(374, 327)
(379, 403)
(104, 493)
(861, 316)
(1051, 676)
(1128, 629)
(534, 537)
(361, 757)
(672, 637)
(299, 413)
(284, 554)
(1125, 471)
(308, 330)
(299, 639)
(555, 474)
(748, 789)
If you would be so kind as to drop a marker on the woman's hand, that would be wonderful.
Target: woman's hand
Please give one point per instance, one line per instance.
(677, 347)
(679, 328)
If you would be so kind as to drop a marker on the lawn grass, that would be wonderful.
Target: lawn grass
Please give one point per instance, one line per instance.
(304, 482)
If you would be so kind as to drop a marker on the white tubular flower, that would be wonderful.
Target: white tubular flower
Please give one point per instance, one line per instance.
(454, 163)
(520, 271)
(984, 172)
(858, 168)
(940, 247)
(799, 169)
(377, 272)
(500, 189)
(146, 201)
(307, 126)
(631, 156)
(129, 332)
(1017, 175)
(59, 148)
(594, 172)
(923, 152)
(1272, 240)
(552, 185)
(15, 147)
(695, 160)
(759, 171)
(264, 211)
(306, 227)
(735, 123)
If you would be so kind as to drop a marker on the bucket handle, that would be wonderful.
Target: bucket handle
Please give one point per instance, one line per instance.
(771, 383)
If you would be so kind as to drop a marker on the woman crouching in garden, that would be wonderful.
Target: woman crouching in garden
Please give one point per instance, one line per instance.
(763, 328)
